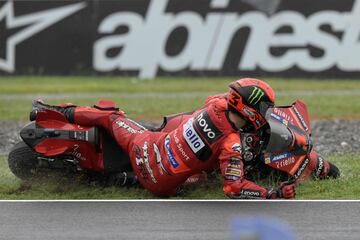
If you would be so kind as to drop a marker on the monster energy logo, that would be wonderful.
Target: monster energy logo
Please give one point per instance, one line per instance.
(256, 95)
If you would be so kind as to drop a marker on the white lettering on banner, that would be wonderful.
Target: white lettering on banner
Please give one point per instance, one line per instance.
(209, 39)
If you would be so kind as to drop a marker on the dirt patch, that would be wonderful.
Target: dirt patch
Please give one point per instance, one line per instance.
(336, 136)
(329, 136)
(9, 135)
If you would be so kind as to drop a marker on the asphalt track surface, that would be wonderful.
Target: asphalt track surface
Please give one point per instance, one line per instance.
(170, 220)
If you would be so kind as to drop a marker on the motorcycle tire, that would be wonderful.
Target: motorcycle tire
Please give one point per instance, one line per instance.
(23, 161)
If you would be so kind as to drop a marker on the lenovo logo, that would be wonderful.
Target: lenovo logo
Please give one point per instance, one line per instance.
(206, 127)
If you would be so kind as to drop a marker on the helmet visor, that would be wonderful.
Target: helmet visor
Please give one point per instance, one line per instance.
(264, 107)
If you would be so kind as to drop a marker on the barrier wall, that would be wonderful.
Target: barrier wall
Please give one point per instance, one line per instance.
(288, 38)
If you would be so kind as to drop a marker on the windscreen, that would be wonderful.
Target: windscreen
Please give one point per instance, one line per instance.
(280, 136)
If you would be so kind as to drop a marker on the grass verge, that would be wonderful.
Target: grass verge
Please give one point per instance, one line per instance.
(60, 187)
(142, 106)
(154, 106)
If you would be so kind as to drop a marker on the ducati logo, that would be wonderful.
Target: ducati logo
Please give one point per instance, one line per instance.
(30, 24)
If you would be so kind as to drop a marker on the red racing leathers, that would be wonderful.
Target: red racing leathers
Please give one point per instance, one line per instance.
(204, 140)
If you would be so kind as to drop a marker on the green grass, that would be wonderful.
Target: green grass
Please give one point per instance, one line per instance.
(59, 187)
(15, 106)
(132, 85)
(154, 107)
(346, 187)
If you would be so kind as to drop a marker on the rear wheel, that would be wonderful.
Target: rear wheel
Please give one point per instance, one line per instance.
(23, 161)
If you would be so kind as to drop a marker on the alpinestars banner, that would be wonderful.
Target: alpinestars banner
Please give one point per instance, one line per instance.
(287, 38)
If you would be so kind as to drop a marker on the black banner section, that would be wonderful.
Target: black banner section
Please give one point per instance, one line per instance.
(148, 38)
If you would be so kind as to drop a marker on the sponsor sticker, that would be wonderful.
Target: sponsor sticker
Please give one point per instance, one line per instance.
(249, 193)
(231, 178)
(237, 147)
(159, 160)
(235, 160)
(319, 166)
(301, 168)
(248, 112)
(233, 171)
(233, 165)
(180, 146)
(273, 115)
(139, 161)
(285, 162)
(256, 96)
(206, 127)
(136, 124)
(128, 128)
(192, 138)
(303, 123)
(138, 156)
(169, 153)
(267, 159)
(280, 115)
(281, 156)
(146, 161)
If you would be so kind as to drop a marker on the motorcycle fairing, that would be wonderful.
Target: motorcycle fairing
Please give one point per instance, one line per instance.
(51, 135)
(93, 148)
(283, 120)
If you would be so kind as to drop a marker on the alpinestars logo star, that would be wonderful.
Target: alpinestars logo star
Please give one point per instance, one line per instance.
(32, 24)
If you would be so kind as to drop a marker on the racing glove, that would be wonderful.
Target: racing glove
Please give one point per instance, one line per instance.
(286, 190)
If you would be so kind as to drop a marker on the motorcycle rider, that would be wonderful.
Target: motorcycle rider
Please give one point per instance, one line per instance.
(204, 140)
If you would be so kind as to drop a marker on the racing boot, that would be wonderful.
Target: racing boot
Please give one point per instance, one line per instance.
(101, 114)
(322, 168)
(39, 105)
(330, 171)
(317, 168)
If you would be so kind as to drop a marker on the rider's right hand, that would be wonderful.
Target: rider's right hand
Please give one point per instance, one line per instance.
(285, 190)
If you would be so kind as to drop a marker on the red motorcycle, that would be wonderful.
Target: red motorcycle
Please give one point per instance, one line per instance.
(51, 142)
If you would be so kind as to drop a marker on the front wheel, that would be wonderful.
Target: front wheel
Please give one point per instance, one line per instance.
(23, 161)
